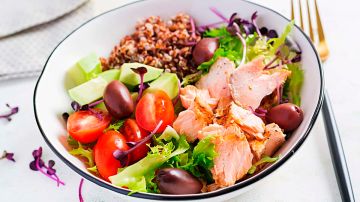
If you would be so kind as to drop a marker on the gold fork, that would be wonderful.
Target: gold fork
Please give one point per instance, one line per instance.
(332, 132)
(321, 44)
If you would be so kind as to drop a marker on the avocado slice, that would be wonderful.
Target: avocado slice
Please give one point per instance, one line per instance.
(167, 82)
(89, 91)
(129, 77)
(85, 69)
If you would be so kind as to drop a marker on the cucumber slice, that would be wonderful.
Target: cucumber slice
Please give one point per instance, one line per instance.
(167, 82)
(89, 91)
(110, 75)
(85, 69)
(129, 77)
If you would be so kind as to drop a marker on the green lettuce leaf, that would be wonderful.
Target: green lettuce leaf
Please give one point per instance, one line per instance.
(265, 159)
(93, 169)
(277, 42)
(86, 153)
(115, 126)
(229, 46)
(204, 153)
(292, 87)
(138, 177)
(198, 160)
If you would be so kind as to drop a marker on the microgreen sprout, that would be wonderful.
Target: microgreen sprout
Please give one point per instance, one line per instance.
(39, 165)
(122, 156)
(81, 199)
(141, 71)
(7, 116)
(7, 155)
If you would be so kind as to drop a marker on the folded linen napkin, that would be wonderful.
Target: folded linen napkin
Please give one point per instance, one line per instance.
(30, 30)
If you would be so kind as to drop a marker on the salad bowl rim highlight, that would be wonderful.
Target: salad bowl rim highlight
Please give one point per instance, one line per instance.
(217, 193)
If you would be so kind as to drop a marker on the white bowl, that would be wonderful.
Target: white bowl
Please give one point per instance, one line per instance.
(103, 32)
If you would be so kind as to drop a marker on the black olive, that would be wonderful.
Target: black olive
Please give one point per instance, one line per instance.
(205, 49)
(177, 181)
(118, 100)
(288, 116)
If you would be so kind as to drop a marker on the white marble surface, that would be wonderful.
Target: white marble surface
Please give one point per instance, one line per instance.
(308, 176)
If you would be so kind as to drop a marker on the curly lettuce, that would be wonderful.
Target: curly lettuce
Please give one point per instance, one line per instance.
(139, 176)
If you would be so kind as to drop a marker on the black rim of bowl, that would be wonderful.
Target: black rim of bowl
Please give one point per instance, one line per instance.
(226, 190)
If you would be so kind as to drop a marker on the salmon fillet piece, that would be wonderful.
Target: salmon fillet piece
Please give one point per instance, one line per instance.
(192, 120)
(250, 83)
(234, 156)
(248, 122)
(212, 129)
(217, 80)
(274, 138)
(189, 92)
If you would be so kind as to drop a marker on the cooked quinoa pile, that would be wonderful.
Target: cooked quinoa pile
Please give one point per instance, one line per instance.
(167, 45)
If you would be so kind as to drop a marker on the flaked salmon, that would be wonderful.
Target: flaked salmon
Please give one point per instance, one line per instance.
(274, 138)
(234, 157)
(248, 122)
(189, 92)
(212, 129)
(192, 120)
(217, 80)
(250, 83)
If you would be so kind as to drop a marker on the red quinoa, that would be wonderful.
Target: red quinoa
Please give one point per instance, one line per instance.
(159, 44)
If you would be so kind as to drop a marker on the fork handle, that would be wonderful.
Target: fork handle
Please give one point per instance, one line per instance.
(337, 151)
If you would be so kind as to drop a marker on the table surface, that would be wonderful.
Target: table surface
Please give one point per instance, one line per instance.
(307, 176)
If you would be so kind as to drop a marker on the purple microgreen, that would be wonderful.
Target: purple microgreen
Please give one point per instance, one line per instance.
(244, 47)
(219, 14)
(96, 103)
(176, 99)
(296, 59)
(279, 93)
(75, 106)
(272, 34)
(8, 156)
(233, 29)
(122, 156)
(253, 20)
(131, 144)
(65, 116)
(81, 199)
(7, 116)
(268, 65)
(264, 31)
(232, 19)
(193, 28)
(259, 112)
(98, 114)
(203, 28)
(141, 71)
(248, 27)
(39, 165)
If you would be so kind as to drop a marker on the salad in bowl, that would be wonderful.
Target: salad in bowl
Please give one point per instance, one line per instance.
(181, 107)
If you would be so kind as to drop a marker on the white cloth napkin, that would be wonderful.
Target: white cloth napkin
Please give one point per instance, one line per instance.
(30, 30)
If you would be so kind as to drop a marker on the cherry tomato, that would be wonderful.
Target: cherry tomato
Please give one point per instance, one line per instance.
(152, 108)
(133, 133)
(86, 126)
(106, 163)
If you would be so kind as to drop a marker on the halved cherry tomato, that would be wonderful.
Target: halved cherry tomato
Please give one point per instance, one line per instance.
(133, 133)
(152, 108)
(106, 163)
(86, 126)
